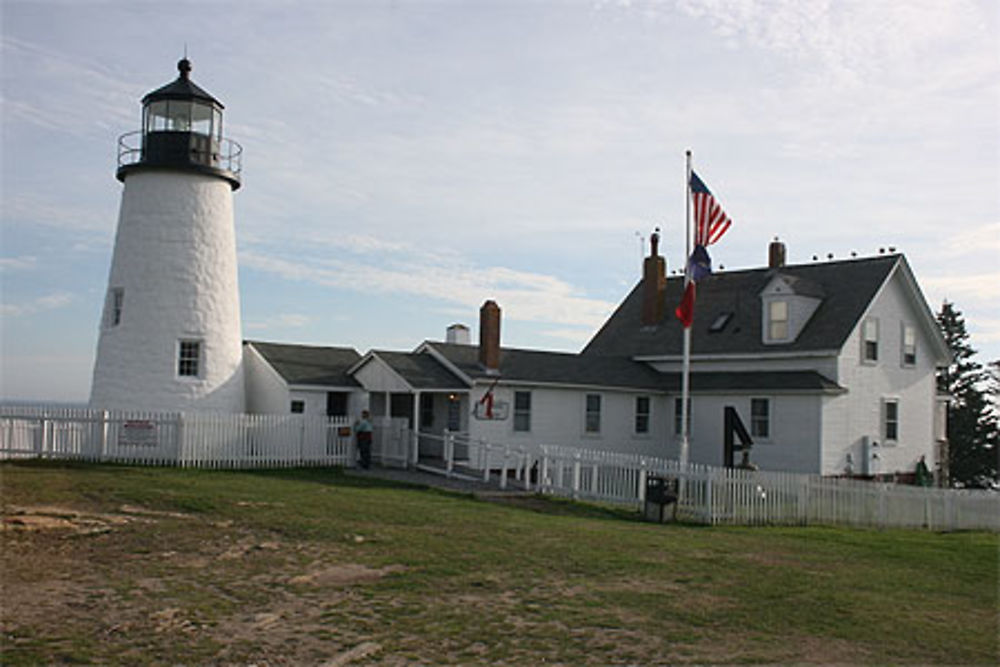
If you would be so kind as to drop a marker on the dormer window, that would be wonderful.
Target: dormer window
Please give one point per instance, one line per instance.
(869, 344)
(777, 320)
(787, 304)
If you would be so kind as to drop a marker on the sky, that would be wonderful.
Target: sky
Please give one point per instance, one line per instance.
(404, 161)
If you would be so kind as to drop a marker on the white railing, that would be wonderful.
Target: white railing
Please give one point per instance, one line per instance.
(184, 439)
(713, 495)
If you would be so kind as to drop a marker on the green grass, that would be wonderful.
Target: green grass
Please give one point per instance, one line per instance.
(301, 565)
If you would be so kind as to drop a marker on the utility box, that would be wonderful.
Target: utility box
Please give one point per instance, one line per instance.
(661, 493)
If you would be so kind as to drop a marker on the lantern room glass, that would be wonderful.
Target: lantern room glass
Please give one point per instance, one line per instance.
(183, 116)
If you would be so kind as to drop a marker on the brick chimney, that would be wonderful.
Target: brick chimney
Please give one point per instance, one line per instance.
(776, 254)
(654, 282)
(489, 337)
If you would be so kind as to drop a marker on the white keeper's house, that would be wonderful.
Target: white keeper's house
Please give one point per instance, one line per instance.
(830, 366)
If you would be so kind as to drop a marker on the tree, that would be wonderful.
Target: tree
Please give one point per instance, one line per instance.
(973, 426)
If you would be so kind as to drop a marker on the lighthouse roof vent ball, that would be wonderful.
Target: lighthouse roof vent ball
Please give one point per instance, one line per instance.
(181, 129)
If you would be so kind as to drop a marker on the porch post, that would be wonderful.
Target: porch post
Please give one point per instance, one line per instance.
(416, 427)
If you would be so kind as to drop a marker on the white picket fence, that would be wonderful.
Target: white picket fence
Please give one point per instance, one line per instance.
(707, 494)
(192, 439)
(716, 496)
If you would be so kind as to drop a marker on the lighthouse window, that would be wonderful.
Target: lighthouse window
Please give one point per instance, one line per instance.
(201, 118)
(180, 116)
(116, 301)
(156, 117)
(189, 358)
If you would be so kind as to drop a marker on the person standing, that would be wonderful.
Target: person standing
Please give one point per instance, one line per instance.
(363, 429)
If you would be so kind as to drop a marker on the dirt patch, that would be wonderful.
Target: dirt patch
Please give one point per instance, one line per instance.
(52, 518)
(342, 575)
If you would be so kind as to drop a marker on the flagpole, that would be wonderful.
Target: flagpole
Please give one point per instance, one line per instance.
(686, 365)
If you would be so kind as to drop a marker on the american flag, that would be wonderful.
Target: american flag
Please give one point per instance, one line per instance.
(710, 221)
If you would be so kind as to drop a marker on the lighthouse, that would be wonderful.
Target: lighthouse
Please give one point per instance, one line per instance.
(170, 330)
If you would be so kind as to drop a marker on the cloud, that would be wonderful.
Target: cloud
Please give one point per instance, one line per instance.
(851, 40)
(71, 93)
(46, 212)
(23, 263)
(984, 286)
(524, 296)
(39, 305)
(579, 336)
(284, 320)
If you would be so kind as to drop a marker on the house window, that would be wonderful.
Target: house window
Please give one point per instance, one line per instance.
(909, 345)
(298, 407)
(760, 418)
(116, 301)
(189, 358)
(592, 418)
(869, 352)
(642, 414)
(336, 404)
(426, 410)
(678, 402)
(522, 411)
(890, 421)
(777, 325)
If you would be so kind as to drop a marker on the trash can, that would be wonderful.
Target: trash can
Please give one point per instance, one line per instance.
(661, 491)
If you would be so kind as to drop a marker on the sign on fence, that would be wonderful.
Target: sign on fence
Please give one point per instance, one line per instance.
(138, 433)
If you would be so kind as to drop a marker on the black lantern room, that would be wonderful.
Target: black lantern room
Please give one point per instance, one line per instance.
(181, 130)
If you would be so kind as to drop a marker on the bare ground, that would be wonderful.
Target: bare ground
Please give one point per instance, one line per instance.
(137, 586)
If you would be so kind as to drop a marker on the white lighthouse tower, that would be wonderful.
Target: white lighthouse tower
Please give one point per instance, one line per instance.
(170, 332)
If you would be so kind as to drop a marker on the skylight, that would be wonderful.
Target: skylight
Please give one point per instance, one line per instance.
(720, 322)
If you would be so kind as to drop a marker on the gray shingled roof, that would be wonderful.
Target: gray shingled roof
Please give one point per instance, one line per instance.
(421, 371)
(535, 366)
(517, 365)
(848, 287)
(307, 364)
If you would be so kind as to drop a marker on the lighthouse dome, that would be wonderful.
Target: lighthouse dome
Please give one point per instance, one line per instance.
(181, 130)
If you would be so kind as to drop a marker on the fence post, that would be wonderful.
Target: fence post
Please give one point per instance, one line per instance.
(179, 440)
(641, 491)
(576, 475)
(503, 467)
(103, 434)
(882, 505)
(46, 438)
(543, 471)
(804, 501)
(484, 453)
(449, 452)
(710, 495)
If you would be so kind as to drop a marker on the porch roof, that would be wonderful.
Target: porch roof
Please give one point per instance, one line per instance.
(421, 371)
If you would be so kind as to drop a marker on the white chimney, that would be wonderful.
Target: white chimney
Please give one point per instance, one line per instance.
(458, 334)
